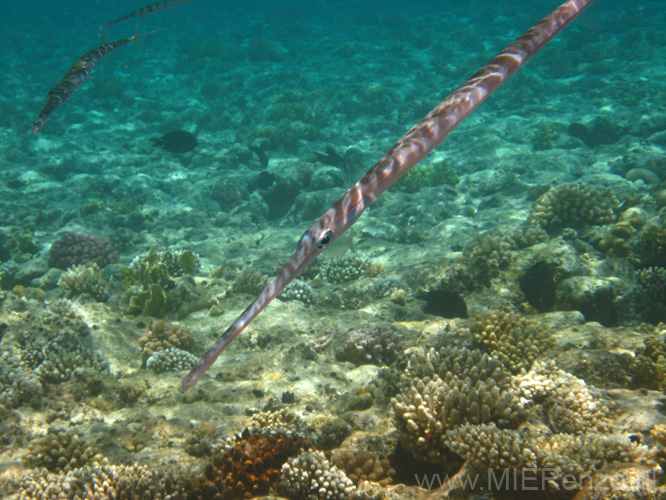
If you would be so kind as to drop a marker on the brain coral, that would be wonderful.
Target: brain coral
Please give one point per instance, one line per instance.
(80, 248)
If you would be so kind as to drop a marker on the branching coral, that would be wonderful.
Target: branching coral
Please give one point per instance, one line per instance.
(62, 360)
(363, 466)
(101, 483)
(299, 290)
(163, 335)
(649, 365)
(557, 455)
(487, 255)
(573, 205)
(377, 344)
(310, 476)
(82, 279)
(61, 450)
(18, 386)
(348, 267)
(441, 390)
(568, 403)
(514, 340)
(171, 360)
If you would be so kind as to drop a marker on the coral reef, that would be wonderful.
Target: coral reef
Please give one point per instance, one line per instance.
(310, 476)
(18, 386)
(651, 246)
(101, 483)
(363, 466)
(249, 281)
(573, 205)
(487, 446)
(61, 450)
(299, 290)
(80, 248)
(279, 422)
(163, 335)
(247, 467)
(486, 256)
(377, 344)
(514, 340)
(85, 278)
(653, 280)
(649, 364)
(154, 273)
(62, 360)
(568, 404)
(348, 267)
(384, 287)
(171, 360)
(441, 390)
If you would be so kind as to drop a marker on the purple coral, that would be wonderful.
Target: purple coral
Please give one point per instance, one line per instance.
(79, 248)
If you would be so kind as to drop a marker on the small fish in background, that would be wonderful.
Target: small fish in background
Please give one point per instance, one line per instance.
(146, 9)
(77, 74)
(178, 141)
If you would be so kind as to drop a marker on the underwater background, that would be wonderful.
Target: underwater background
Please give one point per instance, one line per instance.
(500, 309)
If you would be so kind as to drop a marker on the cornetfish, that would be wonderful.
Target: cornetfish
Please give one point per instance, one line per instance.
(407, 152)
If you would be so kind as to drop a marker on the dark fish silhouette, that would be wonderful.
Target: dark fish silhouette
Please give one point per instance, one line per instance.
(146, 9)
(407, 152)
(177, 141)
(78, 74)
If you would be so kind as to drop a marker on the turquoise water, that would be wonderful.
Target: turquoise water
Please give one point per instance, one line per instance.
(546, 205)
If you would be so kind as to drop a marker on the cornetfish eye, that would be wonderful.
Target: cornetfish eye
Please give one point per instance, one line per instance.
(326, 239)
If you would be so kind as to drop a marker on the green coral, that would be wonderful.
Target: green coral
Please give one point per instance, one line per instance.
(546, 135)
(423, 176)
(154, 272)
(152, 302)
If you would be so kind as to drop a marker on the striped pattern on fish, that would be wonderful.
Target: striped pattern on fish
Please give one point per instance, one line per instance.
(146, 9)
(406, 153)
(77, 74)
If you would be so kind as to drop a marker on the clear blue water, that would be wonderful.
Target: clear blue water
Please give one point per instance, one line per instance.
(293, 79)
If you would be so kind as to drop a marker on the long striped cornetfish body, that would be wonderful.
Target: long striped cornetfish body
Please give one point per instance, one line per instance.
(146, 9)
(77, 74)
(406, 153)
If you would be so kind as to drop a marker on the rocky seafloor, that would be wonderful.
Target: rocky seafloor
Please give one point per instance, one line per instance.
(497, 317)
